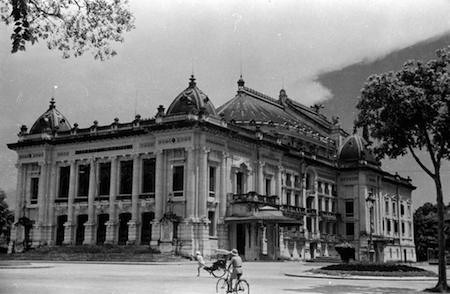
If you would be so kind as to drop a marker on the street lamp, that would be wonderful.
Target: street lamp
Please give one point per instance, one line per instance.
(370, 201)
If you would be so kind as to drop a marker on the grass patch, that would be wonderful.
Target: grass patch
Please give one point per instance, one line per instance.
(93, 253)
(370, 269)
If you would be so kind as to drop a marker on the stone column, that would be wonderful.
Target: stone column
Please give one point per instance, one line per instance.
(17, 230)
(316, 200)
(159, 198)
(51, 221)
(261, 178)
(112, 222)
(69, 225)
(39, 226)
(305, 228)
(279, 186)
(89, 226)
(133, 223)
(203, 183)
(190, 183)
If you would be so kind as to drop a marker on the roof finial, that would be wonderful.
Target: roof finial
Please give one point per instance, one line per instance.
(192, 81)
(52, 100)
(241, 82)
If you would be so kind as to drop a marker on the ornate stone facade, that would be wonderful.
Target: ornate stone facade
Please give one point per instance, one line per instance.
(270, 177)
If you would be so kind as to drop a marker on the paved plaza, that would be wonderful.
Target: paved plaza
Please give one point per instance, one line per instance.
(268, 277)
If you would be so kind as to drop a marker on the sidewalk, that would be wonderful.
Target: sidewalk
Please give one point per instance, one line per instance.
(310, 275)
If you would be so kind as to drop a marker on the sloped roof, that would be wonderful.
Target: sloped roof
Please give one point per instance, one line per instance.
(190, 100)
(50, 121)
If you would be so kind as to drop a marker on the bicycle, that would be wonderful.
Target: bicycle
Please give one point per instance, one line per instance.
(224, 285)
(217, 269)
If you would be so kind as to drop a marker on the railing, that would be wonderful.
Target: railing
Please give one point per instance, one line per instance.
(327, 214)
(311, 211)
(102, 197)
(310, 193)
(294, 235)
(147, 196)
(292, 211)
(255, 198)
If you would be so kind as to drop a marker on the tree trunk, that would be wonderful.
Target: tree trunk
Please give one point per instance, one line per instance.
(442, 282)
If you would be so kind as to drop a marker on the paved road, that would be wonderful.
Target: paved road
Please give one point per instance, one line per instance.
(62, 278)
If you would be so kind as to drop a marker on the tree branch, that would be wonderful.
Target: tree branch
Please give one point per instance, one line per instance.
(46, 13)
(420, 162)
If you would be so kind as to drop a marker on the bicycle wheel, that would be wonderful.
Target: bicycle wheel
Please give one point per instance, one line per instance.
(222, 286)
(242, 287)
(218, 272)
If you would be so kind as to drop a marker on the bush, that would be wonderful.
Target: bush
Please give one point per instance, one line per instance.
(373, 267)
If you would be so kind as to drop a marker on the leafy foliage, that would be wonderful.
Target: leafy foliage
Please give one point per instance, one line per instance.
(409, 110)
(6, 216)
(71, 26)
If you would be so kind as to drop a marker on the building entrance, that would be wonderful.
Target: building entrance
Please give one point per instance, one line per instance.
(79, 237)
(124, 218)
(240, 239)
(101, 228)
(146, 229)
(60, 229)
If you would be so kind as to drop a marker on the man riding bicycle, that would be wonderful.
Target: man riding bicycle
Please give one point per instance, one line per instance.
(236, 263)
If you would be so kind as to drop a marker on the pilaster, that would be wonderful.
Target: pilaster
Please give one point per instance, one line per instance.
(89, 226)
(133, 223)
(69, 225)
(51, 206)
(203, 183)
(112, 223)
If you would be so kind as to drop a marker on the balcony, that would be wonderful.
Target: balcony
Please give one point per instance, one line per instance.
(294, 235)
(311, 211)
(253, 197)
(328, 215)
(292, 211)
(310, 193)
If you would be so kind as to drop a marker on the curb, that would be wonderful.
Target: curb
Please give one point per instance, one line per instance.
(366, 278)
(98, 262)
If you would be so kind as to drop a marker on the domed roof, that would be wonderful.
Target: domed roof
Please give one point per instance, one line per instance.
(191, 100)
(355, 149)
(50, 121)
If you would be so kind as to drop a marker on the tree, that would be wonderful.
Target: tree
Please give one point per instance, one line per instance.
(6, 216)
(425, 230)
(71, 26)
(407, 111)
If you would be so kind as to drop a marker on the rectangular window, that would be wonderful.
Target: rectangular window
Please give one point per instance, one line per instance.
(334, 229)
(178, 180)
(395, 227)
(239, 183)
(409, 229)
(333, 206)
(104, 178)
(126, 177)
(212, 181)
(350, 229)
(320, 204)
(403, 229)
(327, 189)
(148, 175)
(349, 208)
(394, 210)
(288, 198)
(387, 207)
(402, 210)
(297, 200)
(288, 180)
(268, 187)
(212, 223)
(83, 180)
(309, 185)
(319, 187)
(388, 223)
(64, 175)
(297, 181)
(34, 190)
(327, 205)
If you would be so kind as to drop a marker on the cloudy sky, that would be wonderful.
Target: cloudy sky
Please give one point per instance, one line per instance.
(276, 43)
